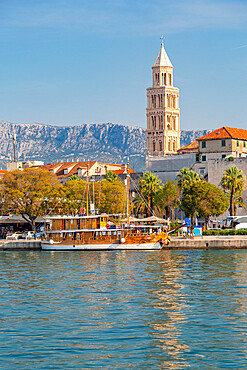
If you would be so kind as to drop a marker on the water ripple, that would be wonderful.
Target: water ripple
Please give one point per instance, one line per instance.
(123, 310)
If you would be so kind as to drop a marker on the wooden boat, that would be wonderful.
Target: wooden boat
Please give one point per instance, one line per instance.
(95, 233)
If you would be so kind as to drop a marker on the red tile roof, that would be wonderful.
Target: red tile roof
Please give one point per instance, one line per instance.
(119, 172)
(192, 147)
(73, 166)
(226, 133)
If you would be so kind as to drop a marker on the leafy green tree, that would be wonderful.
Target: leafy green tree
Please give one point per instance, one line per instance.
(202, 199)
(233, 183)
(149, 185)
(111, 176)
(27, 192)
(113, 197)
(167, 198)
(73, 196)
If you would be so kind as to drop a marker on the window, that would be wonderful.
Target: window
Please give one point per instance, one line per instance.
(237, 143)
(203, 144)
(204, 158)
(201, 171)
(153, 146)
(244, 144)
(223, 143)
(197, 158)
(160, 146)
(223, 156)
(174, 123)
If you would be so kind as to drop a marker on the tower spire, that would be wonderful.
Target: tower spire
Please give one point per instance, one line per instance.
(162, 59)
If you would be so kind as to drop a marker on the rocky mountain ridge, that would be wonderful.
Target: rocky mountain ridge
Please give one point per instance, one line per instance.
(105, 142)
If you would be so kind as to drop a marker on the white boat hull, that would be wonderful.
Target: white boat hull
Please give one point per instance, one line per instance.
(98, 247)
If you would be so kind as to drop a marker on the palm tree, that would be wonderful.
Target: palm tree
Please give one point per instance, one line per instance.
(111, 176)
(149, 185)
(73, 177)
(233, 182)
(186, 177)
(140, 205)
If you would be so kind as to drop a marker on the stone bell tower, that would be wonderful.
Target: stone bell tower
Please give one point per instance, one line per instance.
(163, 113)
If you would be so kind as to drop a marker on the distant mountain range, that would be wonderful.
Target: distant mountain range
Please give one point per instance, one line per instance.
(105, 142)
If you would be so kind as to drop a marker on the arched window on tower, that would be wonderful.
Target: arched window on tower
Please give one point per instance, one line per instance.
(170, 79)
(160, 146)
(169, 146)
(170, 101)
(162, 81)
(174, 123)
(174, 146)
(165, 78)
(153, 146)
(161, 122)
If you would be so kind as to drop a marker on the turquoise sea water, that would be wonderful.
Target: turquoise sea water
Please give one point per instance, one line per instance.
(123, 310)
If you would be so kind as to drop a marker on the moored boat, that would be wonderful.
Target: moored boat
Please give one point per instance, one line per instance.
(95, 233)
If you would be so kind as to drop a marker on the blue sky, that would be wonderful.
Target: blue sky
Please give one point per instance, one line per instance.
(72, 62)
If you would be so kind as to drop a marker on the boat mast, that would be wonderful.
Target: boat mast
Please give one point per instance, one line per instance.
(87, 190)
(128, 187)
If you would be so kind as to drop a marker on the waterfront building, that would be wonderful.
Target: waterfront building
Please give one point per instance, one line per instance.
(219, 150)
(21, 165)
(64, 171)
(2, 173)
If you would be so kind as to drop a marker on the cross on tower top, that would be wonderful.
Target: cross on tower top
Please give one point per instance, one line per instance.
(162, 38)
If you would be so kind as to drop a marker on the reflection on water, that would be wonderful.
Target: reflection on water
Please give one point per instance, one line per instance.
(167, 310)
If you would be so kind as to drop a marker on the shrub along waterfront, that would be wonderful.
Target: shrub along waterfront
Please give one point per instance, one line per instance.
(225, 232)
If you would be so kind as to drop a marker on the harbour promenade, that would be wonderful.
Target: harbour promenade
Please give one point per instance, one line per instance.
(201, 242)
(209, 242)
(19, 245)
